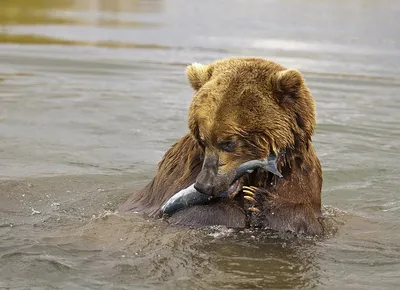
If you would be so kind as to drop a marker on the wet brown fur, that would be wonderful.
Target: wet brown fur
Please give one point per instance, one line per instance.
(264, 107)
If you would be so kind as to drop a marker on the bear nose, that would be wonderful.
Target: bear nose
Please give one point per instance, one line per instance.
(205, 188)
(205, 179)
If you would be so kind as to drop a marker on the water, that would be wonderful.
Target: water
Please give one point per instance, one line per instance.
(92, 93)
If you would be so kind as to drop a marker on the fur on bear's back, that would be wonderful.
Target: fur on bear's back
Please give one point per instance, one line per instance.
(177, 170)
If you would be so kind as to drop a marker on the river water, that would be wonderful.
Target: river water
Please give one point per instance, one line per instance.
(92, 93)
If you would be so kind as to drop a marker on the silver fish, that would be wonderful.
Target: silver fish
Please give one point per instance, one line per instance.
(190, 196)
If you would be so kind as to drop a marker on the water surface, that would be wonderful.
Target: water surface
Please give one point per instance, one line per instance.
(92, 93)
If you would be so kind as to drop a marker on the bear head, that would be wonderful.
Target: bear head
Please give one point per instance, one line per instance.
(245, 109)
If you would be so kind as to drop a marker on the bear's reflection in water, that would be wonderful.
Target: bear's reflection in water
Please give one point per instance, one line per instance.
(259, 260)
(207, 258)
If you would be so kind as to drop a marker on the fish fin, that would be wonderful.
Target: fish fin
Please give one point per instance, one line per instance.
(272, 163)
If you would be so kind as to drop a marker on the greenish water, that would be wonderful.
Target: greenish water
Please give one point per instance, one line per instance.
(92, 93)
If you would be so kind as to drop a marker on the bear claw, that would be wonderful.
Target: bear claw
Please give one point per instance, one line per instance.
(253, 209)
(248, 192)
(249, 198)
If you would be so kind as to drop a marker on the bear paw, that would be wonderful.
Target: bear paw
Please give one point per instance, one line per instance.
(255, 196)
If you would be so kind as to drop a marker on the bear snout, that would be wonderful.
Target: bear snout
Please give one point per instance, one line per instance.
(205, 181)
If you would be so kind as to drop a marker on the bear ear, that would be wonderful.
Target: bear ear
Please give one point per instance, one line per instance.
(198, 74)
(287, 83)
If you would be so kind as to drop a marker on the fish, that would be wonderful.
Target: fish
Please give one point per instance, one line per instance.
(189, 196)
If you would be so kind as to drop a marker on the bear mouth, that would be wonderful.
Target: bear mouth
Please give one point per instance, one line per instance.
(232, 191)
(269, 164)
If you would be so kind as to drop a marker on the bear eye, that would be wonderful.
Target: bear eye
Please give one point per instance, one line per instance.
(229, 146)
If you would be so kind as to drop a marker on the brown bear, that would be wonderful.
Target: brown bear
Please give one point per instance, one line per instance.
(243, 109)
